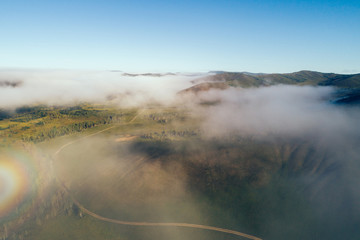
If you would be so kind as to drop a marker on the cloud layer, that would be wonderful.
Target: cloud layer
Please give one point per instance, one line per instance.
(63, 87)
(282, 110)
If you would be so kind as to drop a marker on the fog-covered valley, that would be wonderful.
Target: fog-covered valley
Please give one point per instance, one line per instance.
(252, 154)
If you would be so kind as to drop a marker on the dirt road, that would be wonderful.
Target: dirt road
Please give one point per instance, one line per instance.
(150, 224)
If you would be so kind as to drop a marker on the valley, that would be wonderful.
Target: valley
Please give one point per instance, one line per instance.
(210, 168)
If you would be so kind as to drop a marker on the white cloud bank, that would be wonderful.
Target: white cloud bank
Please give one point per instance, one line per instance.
(63, 87)
(282, 110)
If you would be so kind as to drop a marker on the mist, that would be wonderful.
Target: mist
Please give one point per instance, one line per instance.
(316, 144)
(277, 110)
(273, 161)
(56, 87)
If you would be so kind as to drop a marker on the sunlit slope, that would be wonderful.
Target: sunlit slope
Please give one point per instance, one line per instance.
(41, 123)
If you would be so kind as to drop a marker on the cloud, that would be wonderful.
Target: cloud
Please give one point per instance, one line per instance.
(282, 110)
(56, 87)
(315, 144)
(291, 112)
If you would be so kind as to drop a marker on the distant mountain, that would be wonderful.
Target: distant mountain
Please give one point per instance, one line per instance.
(205, 86)
(245, 79)
(10, 83)
(351, 82)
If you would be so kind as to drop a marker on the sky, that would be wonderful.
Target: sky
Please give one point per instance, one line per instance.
(181, 36)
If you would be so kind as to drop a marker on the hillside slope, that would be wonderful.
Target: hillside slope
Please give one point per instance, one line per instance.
(245, 80)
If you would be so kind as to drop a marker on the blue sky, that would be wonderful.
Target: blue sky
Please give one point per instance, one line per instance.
(141, 36)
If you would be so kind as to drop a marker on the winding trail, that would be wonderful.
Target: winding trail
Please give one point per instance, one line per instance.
(150, 224)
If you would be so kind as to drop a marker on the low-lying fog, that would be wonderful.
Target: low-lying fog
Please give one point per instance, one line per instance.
(282, 109)
(265, 113)
(19, 87)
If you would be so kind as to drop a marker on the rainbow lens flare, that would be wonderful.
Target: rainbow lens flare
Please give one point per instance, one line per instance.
(15, 182)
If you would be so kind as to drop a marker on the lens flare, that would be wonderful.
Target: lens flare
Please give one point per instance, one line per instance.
(15, 182)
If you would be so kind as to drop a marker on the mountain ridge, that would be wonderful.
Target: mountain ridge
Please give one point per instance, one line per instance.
(304, 77)
(348, 85)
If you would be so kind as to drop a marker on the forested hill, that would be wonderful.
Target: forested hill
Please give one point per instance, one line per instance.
(245, 79)
(348, 84)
